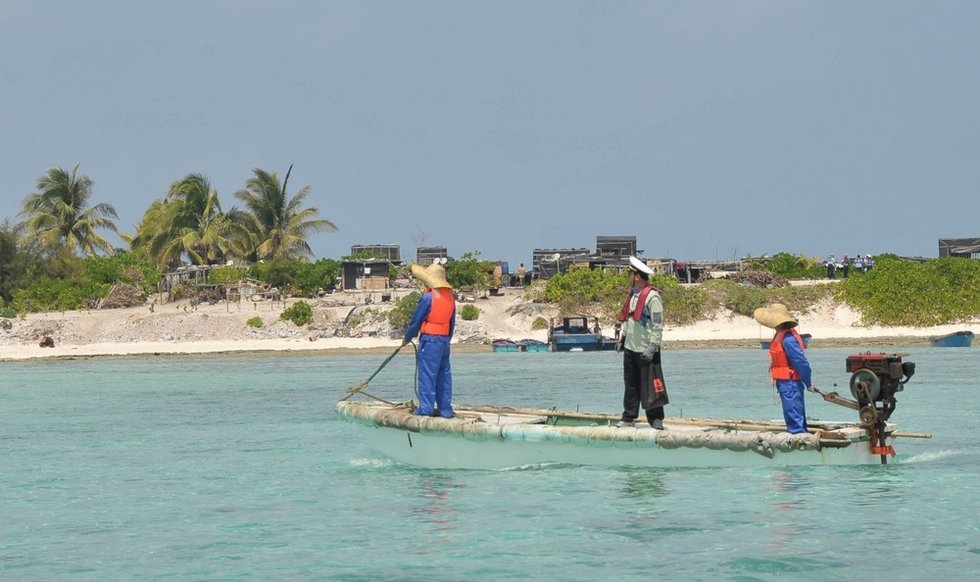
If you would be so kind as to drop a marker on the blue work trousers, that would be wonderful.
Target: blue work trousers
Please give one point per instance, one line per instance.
(794, 409)
(435, 376)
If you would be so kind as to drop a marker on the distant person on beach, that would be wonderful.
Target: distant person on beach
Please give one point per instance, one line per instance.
(868, 262)
(520, 274)
(434, 322)
(790, 369)
(831, 264)
(845, 265)
(858, 264)
(642, 318)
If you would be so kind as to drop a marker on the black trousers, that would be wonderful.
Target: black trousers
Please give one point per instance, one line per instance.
(635, 373)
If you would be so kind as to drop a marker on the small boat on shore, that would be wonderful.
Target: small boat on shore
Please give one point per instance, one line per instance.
(505, 345)
(499, 437)
(806, 337)
(578, 333)
(532, 345)
(959, 339)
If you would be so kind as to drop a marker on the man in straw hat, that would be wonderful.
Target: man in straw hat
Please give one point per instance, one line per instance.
(789, 369)
(434, 322)
(642, 318)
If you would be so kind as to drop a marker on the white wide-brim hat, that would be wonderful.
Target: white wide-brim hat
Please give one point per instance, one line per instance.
(639, 266)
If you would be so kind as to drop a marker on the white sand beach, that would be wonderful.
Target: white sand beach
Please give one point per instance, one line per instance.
(180, 328)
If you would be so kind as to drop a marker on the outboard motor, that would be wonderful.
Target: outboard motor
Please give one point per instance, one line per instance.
(875, 378)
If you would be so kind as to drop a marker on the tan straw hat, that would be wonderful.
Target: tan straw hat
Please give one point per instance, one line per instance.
(433, 276)
(774, 315)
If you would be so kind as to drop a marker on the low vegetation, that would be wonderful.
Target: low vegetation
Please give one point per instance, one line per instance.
(469, 312)
(896, 292)
(300, 313)
(900, 292)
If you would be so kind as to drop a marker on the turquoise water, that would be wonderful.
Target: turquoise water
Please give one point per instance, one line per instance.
(236, 468)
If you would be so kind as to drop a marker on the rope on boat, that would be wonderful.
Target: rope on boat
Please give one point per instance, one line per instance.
(359, 388)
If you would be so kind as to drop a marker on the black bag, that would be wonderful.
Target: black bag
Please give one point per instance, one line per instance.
(653, 391)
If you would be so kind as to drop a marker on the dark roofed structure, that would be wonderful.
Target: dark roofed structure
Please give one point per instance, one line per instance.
(425, 255)
(965, 248)
(391, 253)
(615, 246)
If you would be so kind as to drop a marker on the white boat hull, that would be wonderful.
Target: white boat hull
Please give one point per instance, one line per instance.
(480, 440)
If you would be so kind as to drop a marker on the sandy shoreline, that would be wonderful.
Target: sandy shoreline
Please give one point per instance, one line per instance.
(176, 330)
(375, 346)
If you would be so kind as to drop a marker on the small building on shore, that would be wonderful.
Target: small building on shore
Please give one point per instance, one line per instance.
(964, 248)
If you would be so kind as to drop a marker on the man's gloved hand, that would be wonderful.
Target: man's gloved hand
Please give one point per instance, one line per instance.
(812, 388)
(647, 354)
(405, 342)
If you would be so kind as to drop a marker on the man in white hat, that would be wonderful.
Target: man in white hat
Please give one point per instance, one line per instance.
(642, 318)
(434, 322)
(790, 370)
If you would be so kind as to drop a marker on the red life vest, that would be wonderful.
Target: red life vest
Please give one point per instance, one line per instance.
(641, 301)
(780, 368)
(440, 312)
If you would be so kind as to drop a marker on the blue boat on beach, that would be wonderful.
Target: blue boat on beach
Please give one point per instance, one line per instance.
(505, 345)
(532, 345)
(575, 334)
(806, 337)
(959, 339)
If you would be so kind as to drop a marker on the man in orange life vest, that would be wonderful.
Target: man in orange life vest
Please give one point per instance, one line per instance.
(434, 322)
(642, 318)
(789, 369)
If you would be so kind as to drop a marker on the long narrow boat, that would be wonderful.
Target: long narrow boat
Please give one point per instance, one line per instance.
(806, 337)
(959, 339)
(498, 437)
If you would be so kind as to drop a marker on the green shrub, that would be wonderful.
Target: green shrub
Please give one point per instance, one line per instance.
(539, 323)
(122, 267)
(300, 277)
(254, 322)
(57, 295)
(470, 272)
(469, 312)
(400, 316)
(788, 265)
(901, 292)
(300, 313)
(226, 275)
(5, 324)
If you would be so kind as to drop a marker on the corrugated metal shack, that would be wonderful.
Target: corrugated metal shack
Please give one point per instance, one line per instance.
(546, 263)
(392, 253)
(964, 248)
(427, 255)
(370, 273)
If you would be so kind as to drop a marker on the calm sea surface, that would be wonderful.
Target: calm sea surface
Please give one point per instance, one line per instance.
(237, 468)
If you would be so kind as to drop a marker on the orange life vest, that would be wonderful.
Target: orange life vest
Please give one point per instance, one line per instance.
(440, 312)
(780, 368)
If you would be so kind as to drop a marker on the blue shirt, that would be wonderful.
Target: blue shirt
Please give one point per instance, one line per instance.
(797, 359)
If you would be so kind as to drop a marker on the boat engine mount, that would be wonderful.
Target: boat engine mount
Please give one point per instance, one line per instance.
(875, 378)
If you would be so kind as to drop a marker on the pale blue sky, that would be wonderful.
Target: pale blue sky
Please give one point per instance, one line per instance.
(706, 129)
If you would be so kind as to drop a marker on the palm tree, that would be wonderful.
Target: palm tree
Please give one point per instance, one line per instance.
(57, 214)
(279, 223)
(188, 222)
